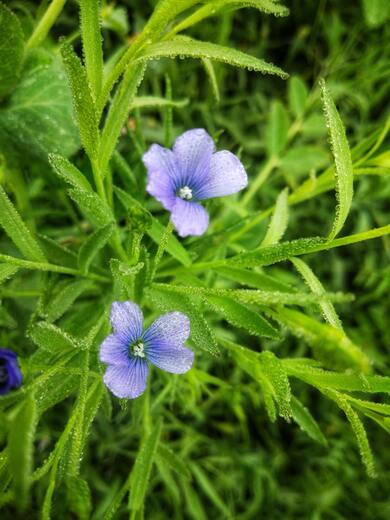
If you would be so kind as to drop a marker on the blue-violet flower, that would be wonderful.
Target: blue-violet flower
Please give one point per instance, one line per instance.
(189, 173)
(10, 374)
(130, 349)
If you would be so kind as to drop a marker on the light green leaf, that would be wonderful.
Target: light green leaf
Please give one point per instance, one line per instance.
(92, 245)
(276, 129)
(17, 230)
(79, 497)
(305, 420)
(53, 339)
(241, 316)
(276, 373)
(156, 230)
(92, 43)
(209, 489)
(7, 271)
(279, 220)
(297, 96)
(253, 279)
(176, 462)
(11, 49)
(315, 285)
(157, 102)
(376, 12)
(83, 102)
(342, 159)
(65, 298)
(21, 447)
(92, 206)
(191, 48)
(209, 68)
(142, 468)
(68, 172)
(38, 118)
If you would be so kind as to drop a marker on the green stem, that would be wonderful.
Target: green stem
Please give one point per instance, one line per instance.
(261, 177)
(45, 23)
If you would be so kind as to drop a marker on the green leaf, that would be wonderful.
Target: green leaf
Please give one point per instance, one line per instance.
(7, 271)
(21, 447)
(92, 245)
(342, 159)
(209, 489)
(241, 316)
(297, 96)
(253, 279)
(53, 339)
(315, 285)
(11, 49)
(357, 427)
(174, 461)
(156, 230)
(65, 298)
(276, 373)
(17, 230)
(276, 129)
(209, 68)
(279, 220)
(38, 117)
(142, 468)
(118, 113)
(188, 47)
(305, 420)
(376, 12)
(68, 172)
(168, 300)
(92, 206)
(79, 497)
(92, 43)
(83, 102)
(157, 102)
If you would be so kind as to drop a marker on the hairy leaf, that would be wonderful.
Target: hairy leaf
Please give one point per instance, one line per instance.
(11, 49)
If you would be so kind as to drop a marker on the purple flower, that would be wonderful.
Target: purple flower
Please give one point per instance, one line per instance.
(10, 374)
(130, 349)
(191, 172)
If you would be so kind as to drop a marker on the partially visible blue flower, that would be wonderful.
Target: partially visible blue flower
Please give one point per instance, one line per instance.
(189, 173)
(130, 349)
(10, 374)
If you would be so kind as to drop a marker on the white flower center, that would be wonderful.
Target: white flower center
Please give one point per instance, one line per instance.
(185, 193)
(138, 349)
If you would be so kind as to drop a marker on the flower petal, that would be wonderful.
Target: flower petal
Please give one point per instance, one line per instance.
(172, 328)
(127, 381)
(193, 151)
(164, 343)
(162, 160)
(162, 188)
(114, 351)
(227, 175)
(189, 218)
(127, 320)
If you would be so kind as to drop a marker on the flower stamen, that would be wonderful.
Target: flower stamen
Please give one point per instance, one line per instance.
(138, 349)
(185, 193)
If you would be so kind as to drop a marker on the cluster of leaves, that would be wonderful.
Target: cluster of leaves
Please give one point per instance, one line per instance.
(81, 233)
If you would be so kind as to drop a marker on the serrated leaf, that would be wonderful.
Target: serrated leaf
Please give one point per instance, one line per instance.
(11, 49)
(65, 298)
(342, 159)
(305, 420)
(297, 96)
(92, 206)
(201, 334)
(21, 446)
(53, 339)
(17, 230)
(190, 48)
(315, 285)
(279, 220)
(83, 102)
(241, 316)
(68, 172)
(142, 468)
(92, 245)
(38, 117)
